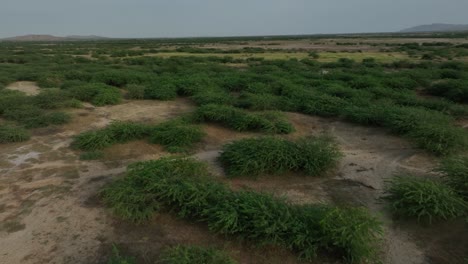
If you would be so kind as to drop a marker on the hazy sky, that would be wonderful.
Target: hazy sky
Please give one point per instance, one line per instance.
(177, 18)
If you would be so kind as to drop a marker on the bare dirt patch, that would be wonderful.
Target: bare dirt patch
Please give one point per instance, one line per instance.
(29, 88)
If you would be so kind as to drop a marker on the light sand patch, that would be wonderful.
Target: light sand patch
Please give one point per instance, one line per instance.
(29, 88)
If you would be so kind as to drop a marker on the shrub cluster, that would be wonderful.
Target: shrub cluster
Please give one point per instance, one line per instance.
(409, 196)
(184, 186)
(455, 172)
(97, 93)
(255, 156)
(242, 120)
(116, 132)
(11, 133)
(175, 135)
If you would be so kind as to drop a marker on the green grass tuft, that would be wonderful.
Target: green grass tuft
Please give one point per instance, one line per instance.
(195, 255)
(255, 156)
(176, 135)
(10, 133)
(242, 120)
(424, 199)
(455, 170)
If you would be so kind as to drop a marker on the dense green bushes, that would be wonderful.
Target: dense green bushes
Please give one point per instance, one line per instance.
(455, 90)
(117, 132)
(195, 255)
(182, 185)
(455, 172)
(255, 156)
(11, 133)
(424, 199)
(175, 135)
(242, 120)
(96, 93)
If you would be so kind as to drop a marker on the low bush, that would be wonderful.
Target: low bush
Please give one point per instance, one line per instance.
(242, 120)
(176, 135)
(255, 156)
(160, 91)
(118, 258)
(195, 255)
(425, 199)
(135, 91)
(212, 96)
(184, 186)
(96, 93)
(455, 171)
(51, 99)
(116, 132)
(455, 90)
(11, 133)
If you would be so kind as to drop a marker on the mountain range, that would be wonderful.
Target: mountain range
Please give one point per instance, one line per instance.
(436, 28)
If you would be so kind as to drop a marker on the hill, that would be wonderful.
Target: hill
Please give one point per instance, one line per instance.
(52, 38)
(436, 28)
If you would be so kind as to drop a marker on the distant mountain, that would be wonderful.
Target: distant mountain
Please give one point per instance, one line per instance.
(436, 28)
(52, 38)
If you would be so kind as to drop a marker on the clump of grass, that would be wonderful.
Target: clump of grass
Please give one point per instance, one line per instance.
(97, 93)
(91, 155)
(242, 120)
(118, 258)
(11, 133)
(255, 156)
(195, 255)
(424, 199)
(135, 91)
(184, 186)
(176, 135)
(116, 132)
(455, 170)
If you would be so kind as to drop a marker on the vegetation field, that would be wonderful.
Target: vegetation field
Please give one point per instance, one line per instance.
(304, 149)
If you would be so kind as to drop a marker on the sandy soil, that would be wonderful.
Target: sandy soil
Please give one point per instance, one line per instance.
(50, 213)
(29, 88)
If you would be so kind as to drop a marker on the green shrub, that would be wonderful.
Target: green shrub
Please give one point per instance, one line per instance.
(118, 258)
(135, 91)
(176, 135)
(92, 140)
(425, 199)
(455, 171)
(51, 99)
(455, 90)
(96, 93)
(184, 186)
(212, 96)
(255, 156)
(161, 91)
(195, 255)
(10, 133)
(91, 155)
(242, 120)
(50, 81)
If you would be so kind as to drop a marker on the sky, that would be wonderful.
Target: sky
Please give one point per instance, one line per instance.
(190, 18)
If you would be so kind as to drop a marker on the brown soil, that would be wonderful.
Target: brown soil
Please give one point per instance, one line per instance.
(50, 211)
(29, 88)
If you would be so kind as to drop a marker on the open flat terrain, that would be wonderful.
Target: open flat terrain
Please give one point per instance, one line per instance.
(380, 100)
